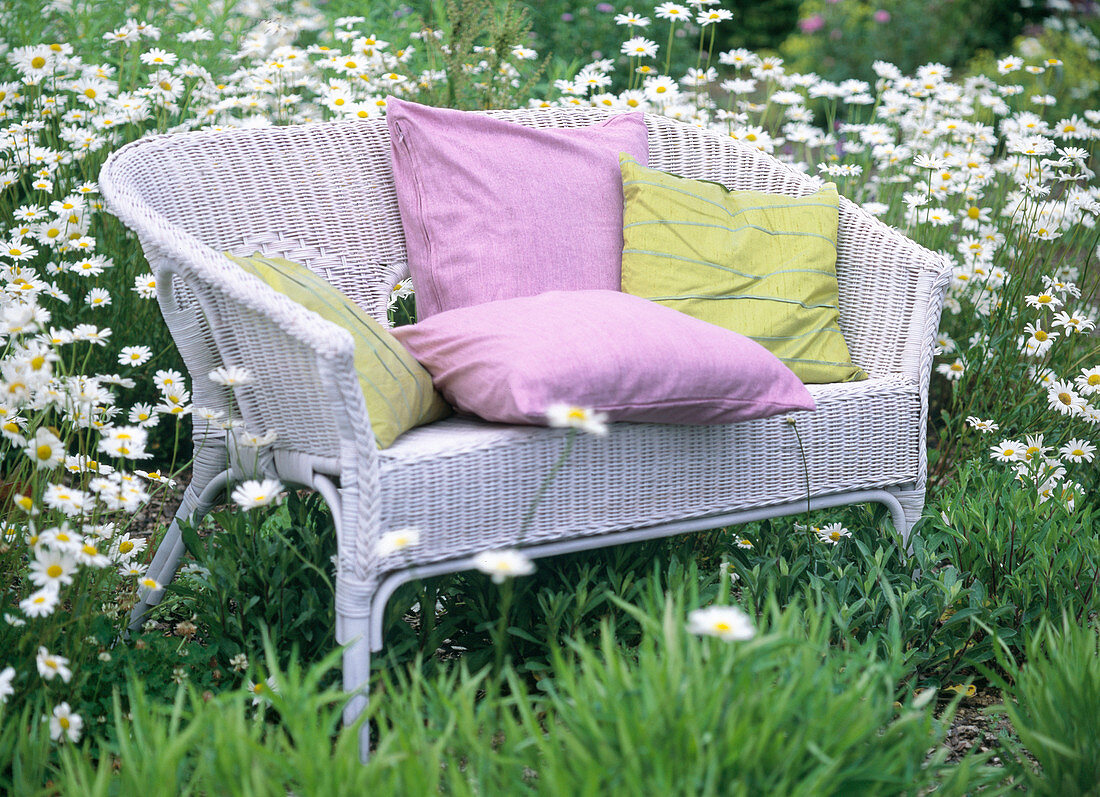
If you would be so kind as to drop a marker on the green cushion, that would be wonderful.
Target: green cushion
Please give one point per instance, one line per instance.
(760, 264)
(397, 390)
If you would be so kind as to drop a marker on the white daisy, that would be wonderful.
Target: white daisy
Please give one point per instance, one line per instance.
(728, 623)
(570, 416)
(7, 675)
(397, 540)
(65, 724)
(1062, 398)
(501, 565)
(252, 494)
(51, 666)
(1078, 450)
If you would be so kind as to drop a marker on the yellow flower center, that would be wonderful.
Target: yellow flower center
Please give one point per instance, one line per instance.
(973, 212)
(1065, 398)
(956, 367)
(1041, 335)
(63, 722)
(1077, 452)
(44, 451)
(54, 571)
(1094, 380)
(722, 627)
(125, 546)
(55, 47)
(38, 62)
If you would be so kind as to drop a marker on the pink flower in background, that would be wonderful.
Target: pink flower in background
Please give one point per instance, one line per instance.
(605, 8)
(881, 16)
(812, 24)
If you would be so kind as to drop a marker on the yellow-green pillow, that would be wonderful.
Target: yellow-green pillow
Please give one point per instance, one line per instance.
(760, 264)
(397, 390)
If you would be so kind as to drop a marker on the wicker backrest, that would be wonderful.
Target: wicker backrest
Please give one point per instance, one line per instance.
(323, 194)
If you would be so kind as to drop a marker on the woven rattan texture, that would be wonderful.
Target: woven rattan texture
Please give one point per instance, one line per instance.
(447, 480)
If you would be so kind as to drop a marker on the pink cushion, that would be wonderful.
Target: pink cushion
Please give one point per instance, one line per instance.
(494, 210)
(633, 359)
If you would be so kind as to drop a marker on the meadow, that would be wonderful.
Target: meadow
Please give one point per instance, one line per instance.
(811, 656)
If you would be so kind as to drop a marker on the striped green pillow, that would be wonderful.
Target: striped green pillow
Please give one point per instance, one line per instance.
(397, 390)
(760, 264)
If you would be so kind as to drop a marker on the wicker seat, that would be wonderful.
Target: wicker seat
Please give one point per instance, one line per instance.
(323, 195)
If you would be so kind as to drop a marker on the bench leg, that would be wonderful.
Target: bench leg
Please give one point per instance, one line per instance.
(198, 499)
(911, 505)
(355, 632)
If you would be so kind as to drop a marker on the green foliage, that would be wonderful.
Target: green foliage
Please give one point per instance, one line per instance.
(681, 715)
(676, 715)
(262, 571)
(1036, 560)
(477, 55)
(1054, 705)
(840, 40)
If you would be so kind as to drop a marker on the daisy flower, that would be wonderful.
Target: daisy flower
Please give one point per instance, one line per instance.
(51, 666)
(501, 565)
(953, 371)
(672, 11)
(396, 540)
(1007, 451)
(714, 15)
(40, 603)
(52, 568)
(263, 690)
(631, 20)
(1073, 322)
(252, 494)
(832, 533)
(1078, 450)
(1062, 398)
(728, 623)
(1038, 341)
(639, 47)
(7, 675)
(570, 416)
(982, 425)
(1043, 300)
(1088, 381)
(65, 724)
(134, 355)
(231, 376)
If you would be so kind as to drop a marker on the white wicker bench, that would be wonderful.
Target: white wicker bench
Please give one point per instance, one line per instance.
(323, 195)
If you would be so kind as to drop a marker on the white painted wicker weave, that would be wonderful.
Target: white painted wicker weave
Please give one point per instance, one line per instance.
(323, 195)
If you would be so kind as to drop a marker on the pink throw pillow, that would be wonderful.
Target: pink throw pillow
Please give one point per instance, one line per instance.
(493, 209)
(633, 359)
